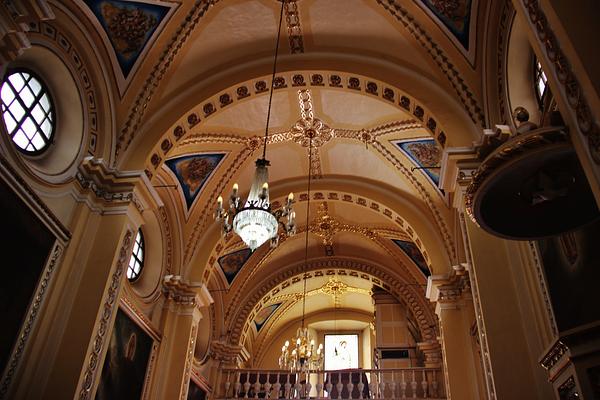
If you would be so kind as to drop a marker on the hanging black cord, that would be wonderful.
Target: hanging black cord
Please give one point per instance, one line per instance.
(307, 230)
(273, 80)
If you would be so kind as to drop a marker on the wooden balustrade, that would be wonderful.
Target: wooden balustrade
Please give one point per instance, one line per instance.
(398, 383)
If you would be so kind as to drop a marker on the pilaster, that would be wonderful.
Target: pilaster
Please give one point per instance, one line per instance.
(183, 304)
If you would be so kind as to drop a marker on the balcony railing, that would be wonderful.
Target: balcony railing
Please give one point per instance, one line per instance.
(400, 383)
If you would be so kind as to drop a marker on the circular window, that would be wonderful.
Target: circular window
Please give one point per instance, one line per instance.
(27, 111)
(136, 262)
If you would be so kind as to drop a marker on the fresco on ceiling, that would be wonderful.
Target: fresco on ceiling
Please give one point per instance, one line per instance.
(455, 15)
(129, 26)
(424, 153)
(232, 263)
(263, 315)
(192, 172)
(413, 252)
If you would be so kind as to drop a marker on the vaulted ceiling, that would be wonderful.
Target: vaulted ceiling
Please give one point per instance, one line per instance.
(387, 85)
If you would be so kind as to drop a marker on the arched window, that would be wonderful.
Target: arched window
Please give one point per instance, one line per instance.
(540, 82)
(136, 262)
(28, 111)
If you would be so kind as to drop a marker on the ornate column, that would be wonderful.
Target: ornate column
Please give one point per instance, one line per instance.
(454, 307)
(75, 325)
(183, 303)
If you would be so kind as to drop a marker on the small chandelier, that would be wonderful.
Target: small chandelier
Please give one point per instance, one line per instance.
(302, 357)
(255, 222)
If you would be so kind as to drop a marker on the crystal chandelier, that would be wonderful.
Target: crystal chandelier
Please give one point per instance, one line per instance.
(255, 222)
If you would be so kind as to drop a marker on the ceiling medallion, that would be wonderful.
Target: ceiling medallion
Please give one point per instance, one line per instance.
(308, 127)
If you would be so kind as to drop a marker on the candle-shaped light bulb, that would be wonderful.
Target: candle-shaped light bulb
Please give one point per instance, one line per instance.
(320, 345)
(220, 201)
(235, 189)
(298, 341)
(290, 198)
(287, 343)
(312, 342)
(319, 350)
(282, 349)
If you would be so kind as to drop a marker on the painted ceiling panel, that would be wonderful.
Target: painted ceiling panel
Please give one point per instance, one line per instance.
(129, 26)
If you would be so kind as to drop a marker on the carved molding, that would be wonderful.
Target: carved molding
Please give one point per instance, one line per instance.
(15, 19)
(179, 291)
(224, 351)
(185, 383)
(426, 319)
(467, 98)
(105, 316)
(30, 319)
(569, 85)
(554, 355)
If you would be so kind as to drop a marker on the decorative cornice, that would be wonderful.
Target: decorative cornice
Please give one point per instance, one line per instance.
(181, 292)
(15, 18)
(569, 85)
(105, 315)
(224, 351)
(451, 288)
(554, 355)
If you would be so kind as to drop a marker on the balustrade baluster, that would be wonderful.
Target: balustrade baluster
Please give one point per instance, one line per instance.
(393, 386)
(360, 386)
(256, 386)
(339, 386)
(413, 385)
(288, 387)
(297, 387)
(247, 386)
(320, 384)
(227, 384)
(277, 387)
(267, 386)
(382, 386)
(403, 386)
(237, 385)
(434, 384)
(424, 384)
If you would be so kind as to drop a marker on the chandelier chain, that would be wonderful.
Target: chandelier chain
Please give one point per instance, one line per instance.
(307, 231)
(273, 79)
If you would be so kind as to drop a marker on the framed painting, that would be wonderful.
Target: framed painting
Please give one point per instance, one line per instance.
(128, 360)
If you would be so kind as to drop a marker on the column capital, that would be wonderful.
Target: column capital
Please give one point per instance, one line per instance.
(450, 288)
(230, 354)
(181, 293)
(110, 191)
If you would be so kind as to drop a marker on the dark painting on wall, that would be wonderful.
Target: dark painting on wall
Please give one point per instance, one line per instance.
(232, 263)
(126, 362)
(25, 248)
(192, 172)
(571, 262)
(129, 26)
(195, 392)
(413, 252)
